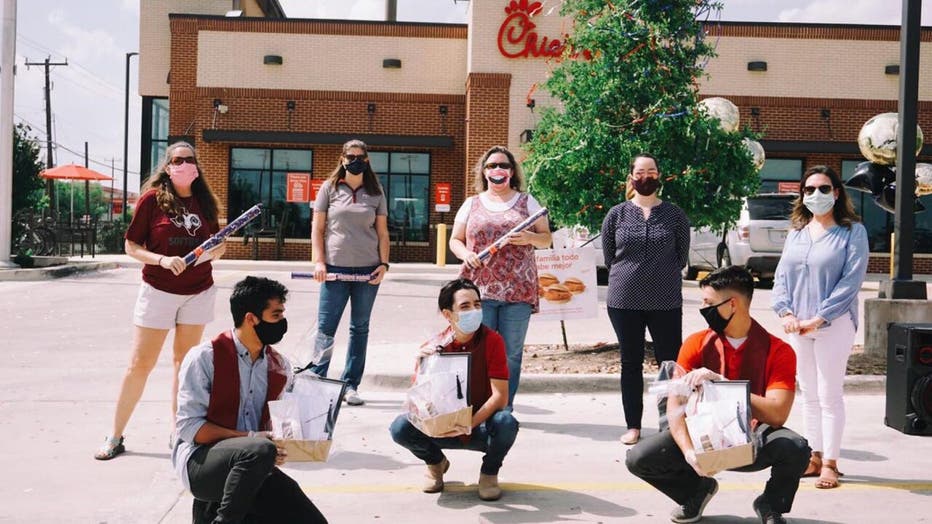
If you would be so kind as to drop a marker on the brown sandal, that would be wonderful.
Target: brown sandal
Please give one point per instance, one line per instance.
(826, 482)
(814, 469)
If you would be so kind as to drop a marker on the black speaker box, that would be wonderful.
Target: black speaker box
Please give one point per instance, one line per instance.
(909, 378)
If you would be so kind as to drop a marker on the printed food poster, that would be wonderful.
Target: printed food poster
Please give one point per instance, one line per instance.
(566, 284)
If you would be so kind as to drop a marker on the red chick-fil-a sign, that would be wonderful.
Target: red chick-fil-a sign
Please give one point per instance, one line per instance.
(518, 39)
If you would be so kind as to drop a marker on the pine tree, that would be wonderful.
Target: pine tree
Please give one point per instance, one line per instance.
(637, 92)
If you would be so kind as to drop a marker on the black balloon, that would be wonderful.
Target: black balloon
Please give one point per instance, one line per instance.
(871, 178)
(886, 200)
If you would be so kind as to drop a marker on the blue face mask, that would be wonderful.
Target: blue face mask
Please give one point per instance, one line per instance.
(469, 321)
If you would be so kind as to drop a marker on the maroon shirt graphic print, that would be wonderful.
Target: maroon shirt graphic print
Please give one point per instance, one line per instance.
(173, 237)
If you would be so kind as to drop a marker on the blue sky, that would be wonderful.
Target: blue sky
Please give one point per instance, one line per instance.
(87, 95)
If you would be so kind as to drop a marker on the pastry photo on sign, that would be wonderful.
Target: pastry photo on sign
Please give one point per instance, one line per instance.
(552, 290)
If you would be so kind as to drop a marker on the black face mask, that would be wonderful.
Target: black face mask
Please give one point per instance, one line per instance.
(356, 166)
(271, 332)
(646, 186)
(716, 321)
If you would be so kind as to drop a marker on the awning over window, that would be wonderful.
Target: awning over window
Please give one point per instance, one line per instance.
(287, 137)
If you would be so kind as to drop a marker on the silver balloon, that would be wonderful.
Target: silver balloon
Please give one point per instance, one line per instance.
(923, 179)
(724, 110)
(757, 152)
(877, 139)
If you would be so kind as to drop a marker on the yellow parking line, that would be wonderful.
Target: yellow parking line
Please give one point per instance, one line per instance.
(600, 486)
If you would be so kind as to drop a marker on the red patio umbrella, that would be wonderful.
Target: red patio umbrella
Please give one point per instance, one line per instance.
(76, 172)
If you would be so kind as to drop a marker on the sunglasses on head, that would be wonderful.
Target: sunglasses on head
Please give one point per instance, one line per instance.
(824, 189)
(498, 165)
(178, 160)
(353, 158)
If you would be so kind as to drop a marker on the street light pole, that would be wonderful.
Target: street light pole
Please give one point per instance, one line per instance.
(902, 286)
(126, 135)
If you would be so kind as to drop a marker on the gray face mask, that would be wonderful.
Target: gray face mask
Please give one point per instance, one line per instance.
(819, 203)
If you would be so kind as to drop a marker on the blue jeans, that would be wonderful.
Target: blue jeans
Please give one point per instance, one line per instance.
(510, 320)
(333, 298)
(493, 437)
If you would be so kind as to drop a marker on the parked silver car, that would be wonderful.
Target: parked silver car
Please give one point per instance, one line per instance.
(756, 241)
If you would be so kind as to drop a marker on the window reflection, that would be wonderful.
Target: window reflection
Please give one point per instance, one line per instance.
(260, 176)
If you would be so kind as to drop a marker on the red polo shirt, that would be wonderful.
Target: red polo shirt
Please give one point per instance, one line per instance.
(488, 362)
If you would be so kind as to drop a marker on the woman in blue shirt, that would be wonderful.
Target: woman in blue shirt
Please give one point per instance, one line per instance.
(815, 293)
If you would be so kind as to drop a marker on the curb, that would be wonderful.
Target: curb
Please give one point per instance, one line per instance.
(50, 272)
(597, 383)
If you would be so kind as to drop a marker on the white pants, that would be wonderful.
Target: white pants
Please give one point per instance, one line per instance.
(821, 364)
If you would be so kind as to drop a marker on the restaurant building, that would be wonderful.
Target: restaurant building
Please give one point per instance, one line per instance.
(268, 101)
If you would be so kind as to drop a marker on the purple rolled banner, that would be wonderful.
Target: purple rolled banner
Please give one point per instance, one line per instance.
(498, 244)
(342, 277)
(221, 235)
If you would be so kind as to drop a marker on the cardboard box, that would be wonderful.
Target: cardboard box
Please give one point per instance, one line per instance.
(306, 450)
(447, 425)
(729, 458)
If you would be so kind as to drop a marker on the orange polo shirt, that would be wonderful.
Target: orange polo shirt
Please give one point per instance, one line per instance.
(781, 360)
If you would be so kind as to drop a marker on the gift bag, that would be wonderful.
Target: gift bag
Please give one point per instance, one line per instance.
(438, 402)
(303, 420)
(719, 425)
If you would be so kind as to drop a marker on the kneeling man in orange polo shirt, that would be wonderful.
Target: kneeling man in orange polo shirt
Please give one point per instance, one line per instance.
(735, 347)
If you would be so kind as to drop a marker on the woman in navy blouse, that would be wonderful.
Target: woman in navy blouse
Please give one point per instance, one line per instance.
(815, 293)
(646, 244)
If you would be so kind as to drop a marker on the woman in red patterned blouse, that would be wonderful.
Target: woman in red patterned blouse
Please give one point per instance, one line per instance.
(507, 279)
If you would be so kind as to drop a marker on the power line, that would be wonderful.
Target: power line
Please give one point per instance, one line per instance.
(81, 155)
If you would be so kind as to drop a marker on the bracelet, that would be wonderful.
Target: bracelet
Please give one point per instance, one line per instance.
(384, 264)
(160, 260)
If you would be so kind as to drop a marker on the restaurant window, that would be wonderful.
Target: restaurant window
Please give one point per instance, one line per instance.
(154, 134)
(406, 180)
(260, 176)
(778, 170)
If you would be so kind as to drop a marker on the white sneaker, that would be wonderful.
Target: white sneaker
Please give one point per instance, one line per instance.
(352, 398)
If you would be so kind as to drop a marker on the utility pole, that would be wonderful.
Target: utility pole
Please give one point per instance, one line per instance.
(7, 66)
(112, 176)
(50, 184)
(126, 136)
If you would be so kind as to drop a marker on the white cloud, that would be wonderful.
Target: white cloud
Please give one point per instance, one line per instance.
(83, 44)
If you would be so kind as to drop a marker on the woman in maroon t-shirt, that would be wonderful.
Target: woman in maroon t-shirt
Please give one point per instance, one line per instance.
(176, 212)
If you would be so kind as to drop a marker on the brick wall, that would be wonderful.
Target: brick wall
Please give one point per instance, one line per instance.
(487, 106)
(316, 111)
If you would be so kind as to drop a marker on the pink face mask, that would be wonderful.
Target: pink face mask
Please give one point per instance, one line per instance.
(498, 178)
(183, 176)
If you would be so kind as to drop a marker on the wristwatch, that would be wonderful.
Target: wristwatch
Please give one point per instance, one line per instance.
(384, 264)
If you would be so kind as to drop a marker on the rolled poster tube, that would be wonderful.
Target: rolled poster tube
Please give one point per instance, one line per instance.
(342, 277)
(221, 235)
(498, 244)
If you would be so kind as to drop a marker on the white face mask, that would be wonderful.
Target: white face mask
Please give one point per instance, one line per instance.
(819, 203)
(469, 321)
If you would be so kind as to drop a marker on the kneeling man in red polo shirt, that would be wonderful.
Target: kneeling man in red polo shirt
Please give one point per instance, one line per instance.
(735, 347)
(222, 455)
(494, 427)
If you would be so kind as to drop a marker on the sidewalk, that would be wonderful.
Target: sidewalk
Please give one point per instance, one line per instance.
(405, 315)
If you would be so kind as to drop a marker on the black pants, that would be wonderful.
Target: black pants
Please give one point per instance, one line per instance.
(235, 480)
(666, 331)
(658, 461)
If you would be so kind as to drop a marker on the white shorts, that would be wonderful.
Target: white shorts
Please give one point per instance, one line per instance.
(160, 310)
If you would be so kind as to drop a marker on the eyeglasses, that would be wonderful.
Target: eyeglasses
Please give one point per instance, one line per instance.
(178, 160)
(353, 158)
(824, 189)
(498, 165)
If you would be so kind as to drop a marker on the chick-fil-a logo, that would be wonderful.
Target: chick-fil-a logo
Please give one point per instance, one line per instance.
(517, 38)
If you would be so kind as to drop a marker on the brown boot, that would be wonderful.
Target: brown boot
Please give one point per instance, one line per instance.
(434, 481)
(488, 487)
